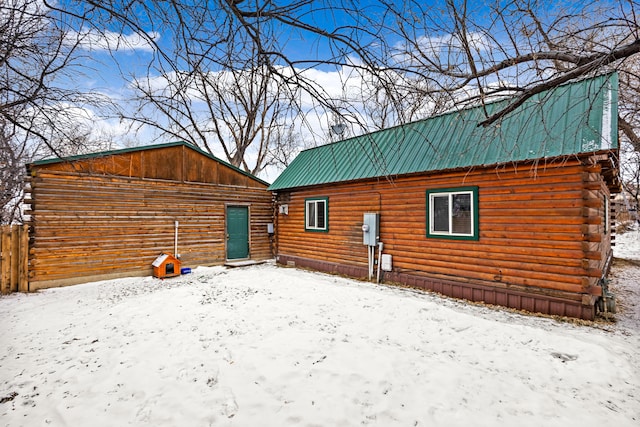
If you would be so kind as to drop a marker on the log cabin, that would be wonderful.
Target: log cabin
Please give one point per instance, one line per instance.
(111, 214)
(514, 214)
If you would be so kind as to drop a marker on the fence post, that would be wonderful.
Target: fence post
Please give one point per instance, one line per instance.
(14, 258)
(23, 269)
(5, 259)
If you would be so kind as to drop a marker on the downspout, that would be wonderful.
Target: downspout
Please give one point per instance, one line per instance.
(380, 246)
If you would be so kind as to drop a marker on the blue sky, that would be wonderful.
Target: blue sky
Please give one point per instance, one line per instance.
(134, 54)
(108, 71)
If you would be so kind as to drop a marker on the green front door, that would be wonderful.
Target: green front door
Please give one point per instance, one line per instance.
(237, 232)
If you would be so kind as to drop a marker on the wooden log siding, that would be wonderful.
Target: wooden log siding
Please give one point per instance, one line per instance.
(95, 227)
(171, 163)
(540, 230)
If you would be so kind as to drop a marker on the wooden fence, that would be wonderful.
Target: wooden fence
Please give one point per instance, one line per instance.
(14, 258)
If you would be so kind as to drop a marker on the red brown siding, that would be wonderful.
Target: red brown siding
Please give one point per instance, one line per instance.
(541, 243)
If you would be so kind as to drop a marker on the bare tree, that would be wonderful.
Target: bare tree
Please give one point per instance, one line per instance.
(240, 112)
(475, 52)
(629, 101)
(285, 148)
(12, 153)
(630, 177)
(230, 79)
(39, 63)
(39, 101)
(435, 56)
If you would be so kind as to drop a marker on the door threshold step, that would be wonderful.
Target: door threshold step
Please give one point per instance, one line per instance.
(242, 263)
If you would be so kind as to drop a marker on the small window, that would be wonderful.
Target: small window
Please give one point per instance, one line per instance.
(453, 213)
(316, 214)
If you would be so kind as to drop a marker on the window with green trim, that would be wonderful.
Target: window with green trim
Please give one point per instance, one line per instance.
(316, 214)
(453, 213)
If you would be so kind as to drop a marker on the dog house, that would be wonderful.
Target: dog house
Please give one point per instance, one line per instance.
(166, 266)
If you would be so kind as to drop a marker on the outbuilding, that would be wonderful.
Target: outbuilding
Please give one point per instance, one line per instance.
(111, 214)
(514, 214)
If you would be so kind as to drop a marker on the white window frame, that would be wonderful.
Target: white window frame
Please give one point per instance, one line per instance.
(450, 193)
(313, 225)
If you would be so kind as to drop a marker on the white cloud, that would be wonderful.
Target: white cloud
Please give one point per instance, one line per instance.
(94, 40)
(102, 133)
(446, 49)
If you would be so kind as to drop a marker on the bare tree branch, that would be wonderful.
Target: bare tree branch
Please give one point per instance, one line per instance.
(596, 63)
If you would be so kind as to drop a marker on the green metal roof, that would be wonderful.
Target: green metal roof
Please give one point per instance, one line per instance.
(143, 148)
(574, 118)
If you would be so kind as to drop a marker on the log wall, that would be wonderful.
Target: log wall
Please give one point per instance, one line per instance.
(89, 224)
(541, 231)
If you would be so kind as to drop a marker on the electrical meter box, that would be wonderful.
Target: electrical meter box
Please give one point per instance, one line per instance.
(370, 229)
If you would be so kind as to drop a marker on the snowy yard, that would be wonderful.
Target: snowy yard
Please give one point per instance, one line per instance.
(269, 346)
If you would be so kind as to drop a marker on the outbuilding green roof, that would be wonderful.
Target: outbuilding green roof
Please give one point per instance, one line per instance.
(575, 118)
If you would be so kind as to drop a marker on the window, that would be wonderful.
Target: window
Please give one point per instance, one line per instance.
(316, 214)
(453, 213)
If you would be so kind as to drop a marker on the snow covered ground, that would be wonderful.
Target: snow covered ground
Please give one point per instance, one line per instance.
(628, 245)
(270, 346)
